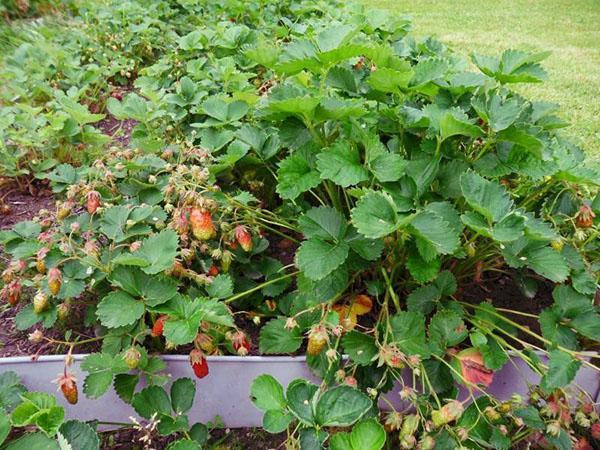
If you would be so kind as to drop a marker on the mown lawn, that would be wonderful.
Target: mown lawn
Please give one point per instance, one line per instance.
(568, 28)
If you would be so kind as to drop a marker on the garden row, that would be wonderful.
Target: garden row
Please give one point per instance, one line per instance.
(290, 178)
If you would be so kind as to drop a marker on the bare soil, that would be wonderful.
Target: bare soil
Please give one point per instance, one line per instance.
(16, 205)
(119, 130)
(221, 439)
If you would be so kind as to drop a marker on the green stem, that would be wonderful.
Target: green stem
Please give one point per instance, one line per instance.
(259, 287)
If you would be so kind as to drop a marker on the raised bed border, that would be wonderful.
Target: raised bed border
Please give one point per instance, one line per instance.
(225, 392)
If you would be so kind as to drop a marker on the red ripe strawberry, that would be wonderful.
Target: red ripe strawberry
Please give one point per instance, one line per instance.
(67, 383)
(202, 225)
(54, 280)
(243, 237)
(241, 343)
(585, 217)
(199, 364)
(158, 327)
(473, 369)
(595, 430)
(213, 271)
(93, 201)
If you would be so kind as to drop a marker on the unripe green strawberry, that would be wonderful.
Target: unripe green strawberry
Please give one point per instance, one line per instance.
(205, 343)
(67, 383)
(40, 263)
(449, 412)
(40, 302)
(54, 280)
(62, 311)
(317, 339)
(226, 259)
(63, 212)
(202, 225)
(243, 237)
(409, 425)
(132, 358)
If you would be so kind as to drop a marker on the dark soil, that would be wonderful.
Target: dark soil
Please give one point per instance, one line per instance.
(119, 130)
(504, 293)
(14, 342)
(16, 206)
(221, 439)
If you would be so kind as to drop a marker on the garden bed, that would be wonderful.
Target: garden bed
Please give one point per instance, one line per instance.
(289, 215)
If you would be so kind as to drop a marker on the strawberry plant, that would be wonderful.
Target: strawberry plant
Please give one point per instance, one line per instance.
(321, 175)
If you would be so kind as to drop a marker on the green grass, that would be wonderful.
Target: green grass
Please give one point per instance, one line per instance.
(570, 29)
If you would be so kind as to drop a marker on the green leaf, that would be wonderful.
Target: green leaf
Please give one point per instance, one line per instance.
(562, 369)
(560, 442)
(423, 299)
(40, 409)
(369, 249)
(341, 406)
(312, 439)
(160, 251)
(368, 435)
(421, 270)
(388, 167)
(101, 368)
(295, 176)
(408, 331)
(125, 385)
(515, 66)
(10, 390)
(531, 417)
(341, 164)
(300, 396)
(276, 421)
(340, 441)
(548, 263)
(221, 286)
(436, 230)
(447, 329)
(385, 79)
(30, 441)
(509, 228)
(4, 425)
(375, 215)
(183, 392)
(267, 394)
(323, 222)
(223, 111)
(275, 338)
(118, 309)
(317, 258)
(183, 444)
(453, 125)
(360, 347)
(486, 197)
(79, 435)
(151, 400)
(499, 112)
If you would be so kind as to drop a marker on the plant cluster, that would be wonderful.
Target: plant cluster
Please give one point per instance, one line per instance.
(48, 428)
(393, 170)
